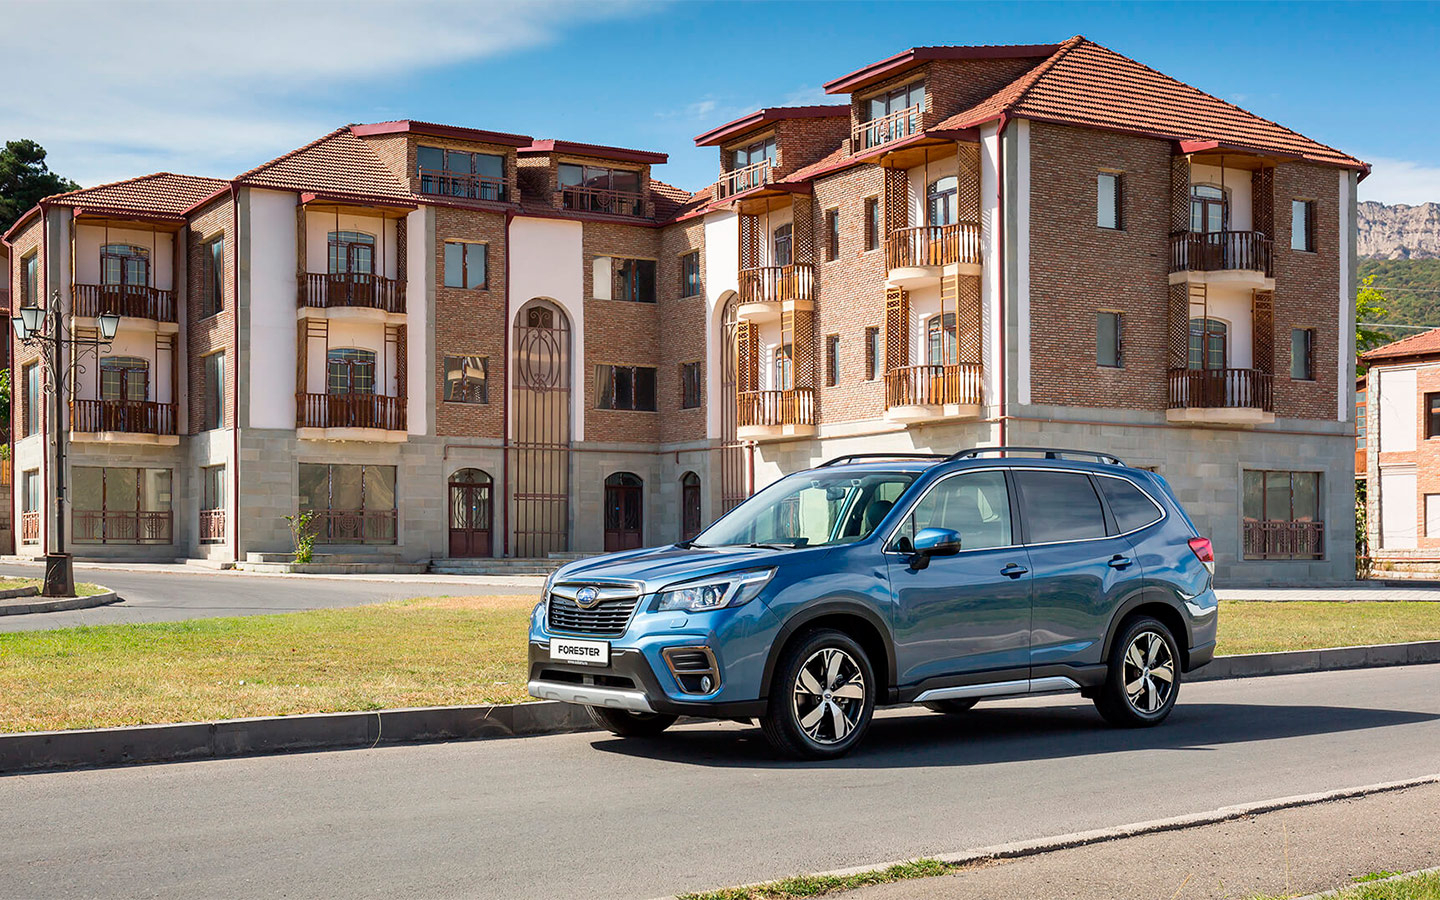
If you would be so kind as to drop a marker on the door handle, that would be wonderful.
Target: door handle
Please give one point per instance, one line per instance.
(1014, 570)
(1120, 562)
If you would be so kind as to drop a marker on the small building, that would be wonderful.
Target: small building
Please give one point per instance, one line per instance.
(1401, 448)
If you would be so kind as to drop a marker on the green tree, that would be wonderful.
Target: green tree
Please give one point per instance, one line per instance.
(25, 179)
(1369, 307)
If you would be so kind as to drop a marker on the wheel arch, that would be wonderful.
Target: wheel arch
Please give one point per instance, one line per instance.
(1158, 605)
(855, 619)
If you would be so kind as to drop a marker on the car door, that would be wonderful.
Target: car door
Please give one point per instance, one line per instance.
(1081, 567)
(966, 614)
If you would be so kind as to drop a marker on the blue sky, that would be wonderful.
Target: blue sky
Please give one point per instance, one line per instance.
(214, 88)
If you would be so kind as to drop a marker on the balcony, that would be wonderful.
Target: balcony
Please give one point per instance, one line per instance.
(133, 301)
(212, 526)
(738, 181)
(886, 129)
(354, 526)
(463, 185)
(123, 526)
(30, 527)
(352, 291)
(350, 417)
(123, 422)
(766, 291)
(923, 253)
(930, 392)
(1221, 396)
(601, 200)
(1244, 258)
(775, 415)
(1269, 539)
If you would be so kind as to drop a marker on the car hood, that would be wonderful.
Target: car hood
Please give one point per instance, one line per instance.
(658, 567)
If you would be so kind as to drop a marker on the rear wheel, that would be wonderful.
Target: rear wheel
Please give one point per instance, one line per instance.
(821, 698)
(1143, 678)
(629, 724)
(950, 707)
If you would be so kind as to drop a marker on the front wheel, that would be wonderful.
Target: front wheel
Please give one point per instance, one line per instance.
(629, 724)
(821, 698)
(1143, 678)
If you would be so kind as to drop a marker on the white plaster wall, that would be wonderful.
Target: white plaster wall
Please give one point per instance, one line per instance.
(132, 342)
(359, 335)
(721, 261)
(1399, 508)
(272, 309)
(1345, 399)
(769, 221)
(419, 291)
(90, 238)
(1022, 261)
(318, 226)
(939, 167)
(1396, 407)
(990, 255)
(1232, 306)
(924, 303)
(547, 260)
(1237, 183)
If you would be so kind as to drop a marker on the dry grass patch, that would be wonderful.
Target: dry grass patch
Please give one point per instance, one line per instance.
(1256, 627)
(82, 589)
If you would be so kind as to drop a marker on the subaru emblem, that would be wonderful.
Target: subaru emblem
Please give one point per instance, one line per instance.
(587, 597)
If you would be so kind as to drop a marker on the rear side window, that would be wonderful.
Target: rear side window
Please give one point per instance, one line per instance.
(1059, 506)
(1131, 508)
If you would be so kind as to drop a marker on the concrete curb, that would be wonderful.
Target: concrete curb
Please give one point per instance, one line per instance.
(44, 606)
(334, 731)
(1323, 895)
(12, 593)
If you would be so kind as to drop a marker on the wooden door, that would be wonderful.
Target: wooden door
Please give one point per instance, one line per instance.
(624, 512)
(470, 514)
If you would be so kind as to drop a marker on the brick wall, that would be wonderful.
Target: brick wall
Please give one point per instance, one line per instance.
(682, 339)
(951, 85)
(1307, 291)
(621, 333)
(550, 164)
(800, 142)
(390, 148)
(470, 322)
(207, 335)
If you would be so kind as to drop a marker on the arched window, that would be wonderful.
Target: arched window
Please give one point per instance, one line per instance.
(1209, 208)
(690, 515)
(350, 370)
(940, 201)
(352, 252)
(124, 378)
(124, 264)
(940, 340)
(471, 476)
(1208, 339)
(784, 368)
(784, 245)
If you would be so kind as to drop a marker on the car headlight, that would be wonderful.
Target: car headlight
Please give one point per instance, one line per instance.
(716, 592)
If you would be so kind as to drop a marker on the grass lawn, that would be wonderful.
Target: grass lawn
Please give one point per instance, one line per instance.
(1425, 886)
(82, 589)
(427, 652)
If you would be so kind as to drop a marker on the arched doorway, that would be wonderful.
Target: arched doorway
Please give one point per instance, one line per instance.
(471, 513)
(624, 512)
(540, 458)
(691, 517)
(734, 487)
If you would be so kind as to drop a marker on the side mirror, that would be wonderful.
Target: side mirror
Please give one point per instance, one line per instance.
(934, 542)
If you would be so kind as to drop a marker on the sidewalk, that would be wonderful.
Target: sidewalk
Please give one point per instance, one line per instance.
(518, 581)
(1285, 853)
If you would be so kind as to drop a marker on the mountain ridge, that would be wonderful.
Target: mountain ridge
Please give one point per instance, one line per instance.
(1397, 231)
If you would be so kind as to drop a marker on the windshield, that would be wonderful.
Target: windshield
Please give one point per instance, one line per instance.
(810, 509)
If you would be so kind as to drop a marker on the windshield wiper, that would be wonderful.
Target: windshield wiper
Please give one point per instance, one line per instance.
(776, 545)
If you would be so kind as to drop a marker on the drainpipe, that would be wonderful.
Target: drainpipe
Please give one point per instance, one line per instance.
(15, 521)
(1000, 253)
(235, 340)
(44, 407)
(505, 400)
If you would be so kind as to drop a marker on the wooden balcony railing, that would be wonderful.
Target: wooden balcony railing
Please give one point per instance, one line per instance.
(352, 290)
(774, 284)
(934, 385)
(739, 180)
(349, 411)
(212, 526)
(1267, 539)
(1219, 251)
(135, 301)
(933, 245)
(30, 528)
(789, 407)
(463, 185)
(127, 416)
(1221, 389)
(117, 526)
(355, 526)
(601, 200)
(899, 124)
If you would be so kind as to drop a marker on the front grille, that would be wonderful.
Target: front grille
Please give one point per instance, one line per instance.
(607, 619)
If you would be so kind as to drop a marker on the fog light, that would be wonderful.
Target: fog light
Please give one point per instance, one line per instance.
(705, 685)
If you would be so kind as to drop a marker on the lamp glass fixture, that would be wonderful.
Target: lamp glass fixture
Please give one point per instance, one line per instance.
(33, 316)
(18, 322)
(109, 324)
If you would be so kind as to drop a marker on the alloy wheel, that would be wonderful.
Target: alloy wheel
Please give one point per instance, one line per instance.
(1149, 673)
(829, 696)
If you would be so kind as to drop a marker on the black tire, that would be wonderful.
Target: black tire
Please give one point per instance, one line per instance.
(630, 724)
(784, 724)
(950, 707)
(1152, 702)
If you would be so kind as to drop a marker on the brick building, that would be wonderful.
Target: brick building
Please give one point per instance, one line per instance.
(450, 342)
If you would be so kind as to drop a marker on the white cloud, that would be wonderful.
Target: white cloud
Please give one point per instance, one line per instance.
(813, 96)
(1400, 181)
(114, 89)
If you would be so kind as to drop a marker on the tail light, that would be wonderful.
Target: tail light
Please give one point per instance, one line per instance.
(1200, 546)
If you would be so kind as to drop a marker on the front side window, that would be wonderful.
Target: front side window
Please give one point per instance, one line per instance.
(120, 505)
(634, 280)
(1107, 200)
(1302, 349)
(351, 253)
(1302, 225)
(1208, 339)
(940, 347)
(690, 385)
(214, 412)
(1059, 506)
(940, 201)
(124, 264)
(976, 505)
(690, 274)
(458, 173)
(124, 378)
(466, 264)
(212, 276)
(467, 379)
(31, 374)
(625, 387)
(1107, 339)
(350, 370)
(811, 509)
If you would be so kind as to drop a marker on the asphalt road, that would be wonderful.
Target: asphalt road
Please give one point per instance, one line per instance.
(164, 596)
(588, 815)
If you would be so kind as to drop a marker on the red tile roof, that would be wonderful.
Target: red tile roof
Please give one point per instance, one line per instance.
(670, 201)
(767, 115)
(339, 162)
(1083, 83)
(1426, 343)
(163, 193)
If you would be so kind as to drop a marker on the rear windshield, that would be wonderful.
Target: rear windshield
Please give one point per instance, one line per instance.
(811, 509)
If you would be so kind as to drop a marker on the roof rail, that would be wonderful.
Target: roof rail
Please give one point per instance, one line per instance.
(851, 457)
(1050, 453)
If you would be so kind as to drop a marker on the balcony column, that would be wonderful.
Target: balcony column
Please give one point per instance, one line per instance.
(1262, 201)
(1262, 331)
(301, 268)
(896, 200)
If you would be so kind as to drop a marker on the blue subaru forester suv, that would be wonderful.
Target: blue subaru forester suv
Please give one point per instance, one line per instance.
(890, 579)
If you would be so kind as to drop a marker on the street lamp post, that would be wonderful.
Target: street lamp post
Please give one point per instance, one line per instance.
(44, 329)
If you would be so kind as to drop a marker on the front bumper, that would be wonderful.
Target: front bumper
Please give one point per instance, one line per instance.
(630, 683)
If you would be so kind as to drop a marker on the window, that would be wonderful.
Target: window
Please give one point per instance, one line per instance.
(466, 265)
(1360, 419)
(1282, 515)
(456, 173)
(30, 506)
(760, 151)
(624, 387)
(784, 368)
(600, 189)
(940, 201)
(124, 378)
(784, 245)
(1108, 199)
(976, 505)
(832, 360)
(690, 274)
(872, 222)
(634, 280)
(124, 264)
(894, 101)
(467, 379)
(351, 253)
(1209, 208)
(690, 385)
(1107, 339)
(1129, 505)
(1302, 349)
(1302, 225)
(31, 374)
(822, 509)
(691, 518)
(350, 371)
(1208, 339)
(214, 411)
(30, 280)
(1432, 416)
(212, 505)
(874, 354)
(1432, 515)
(120, 505)
(832, 235)
(212, 276)
(1059, 506)
(940, 345)
(355, 504)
